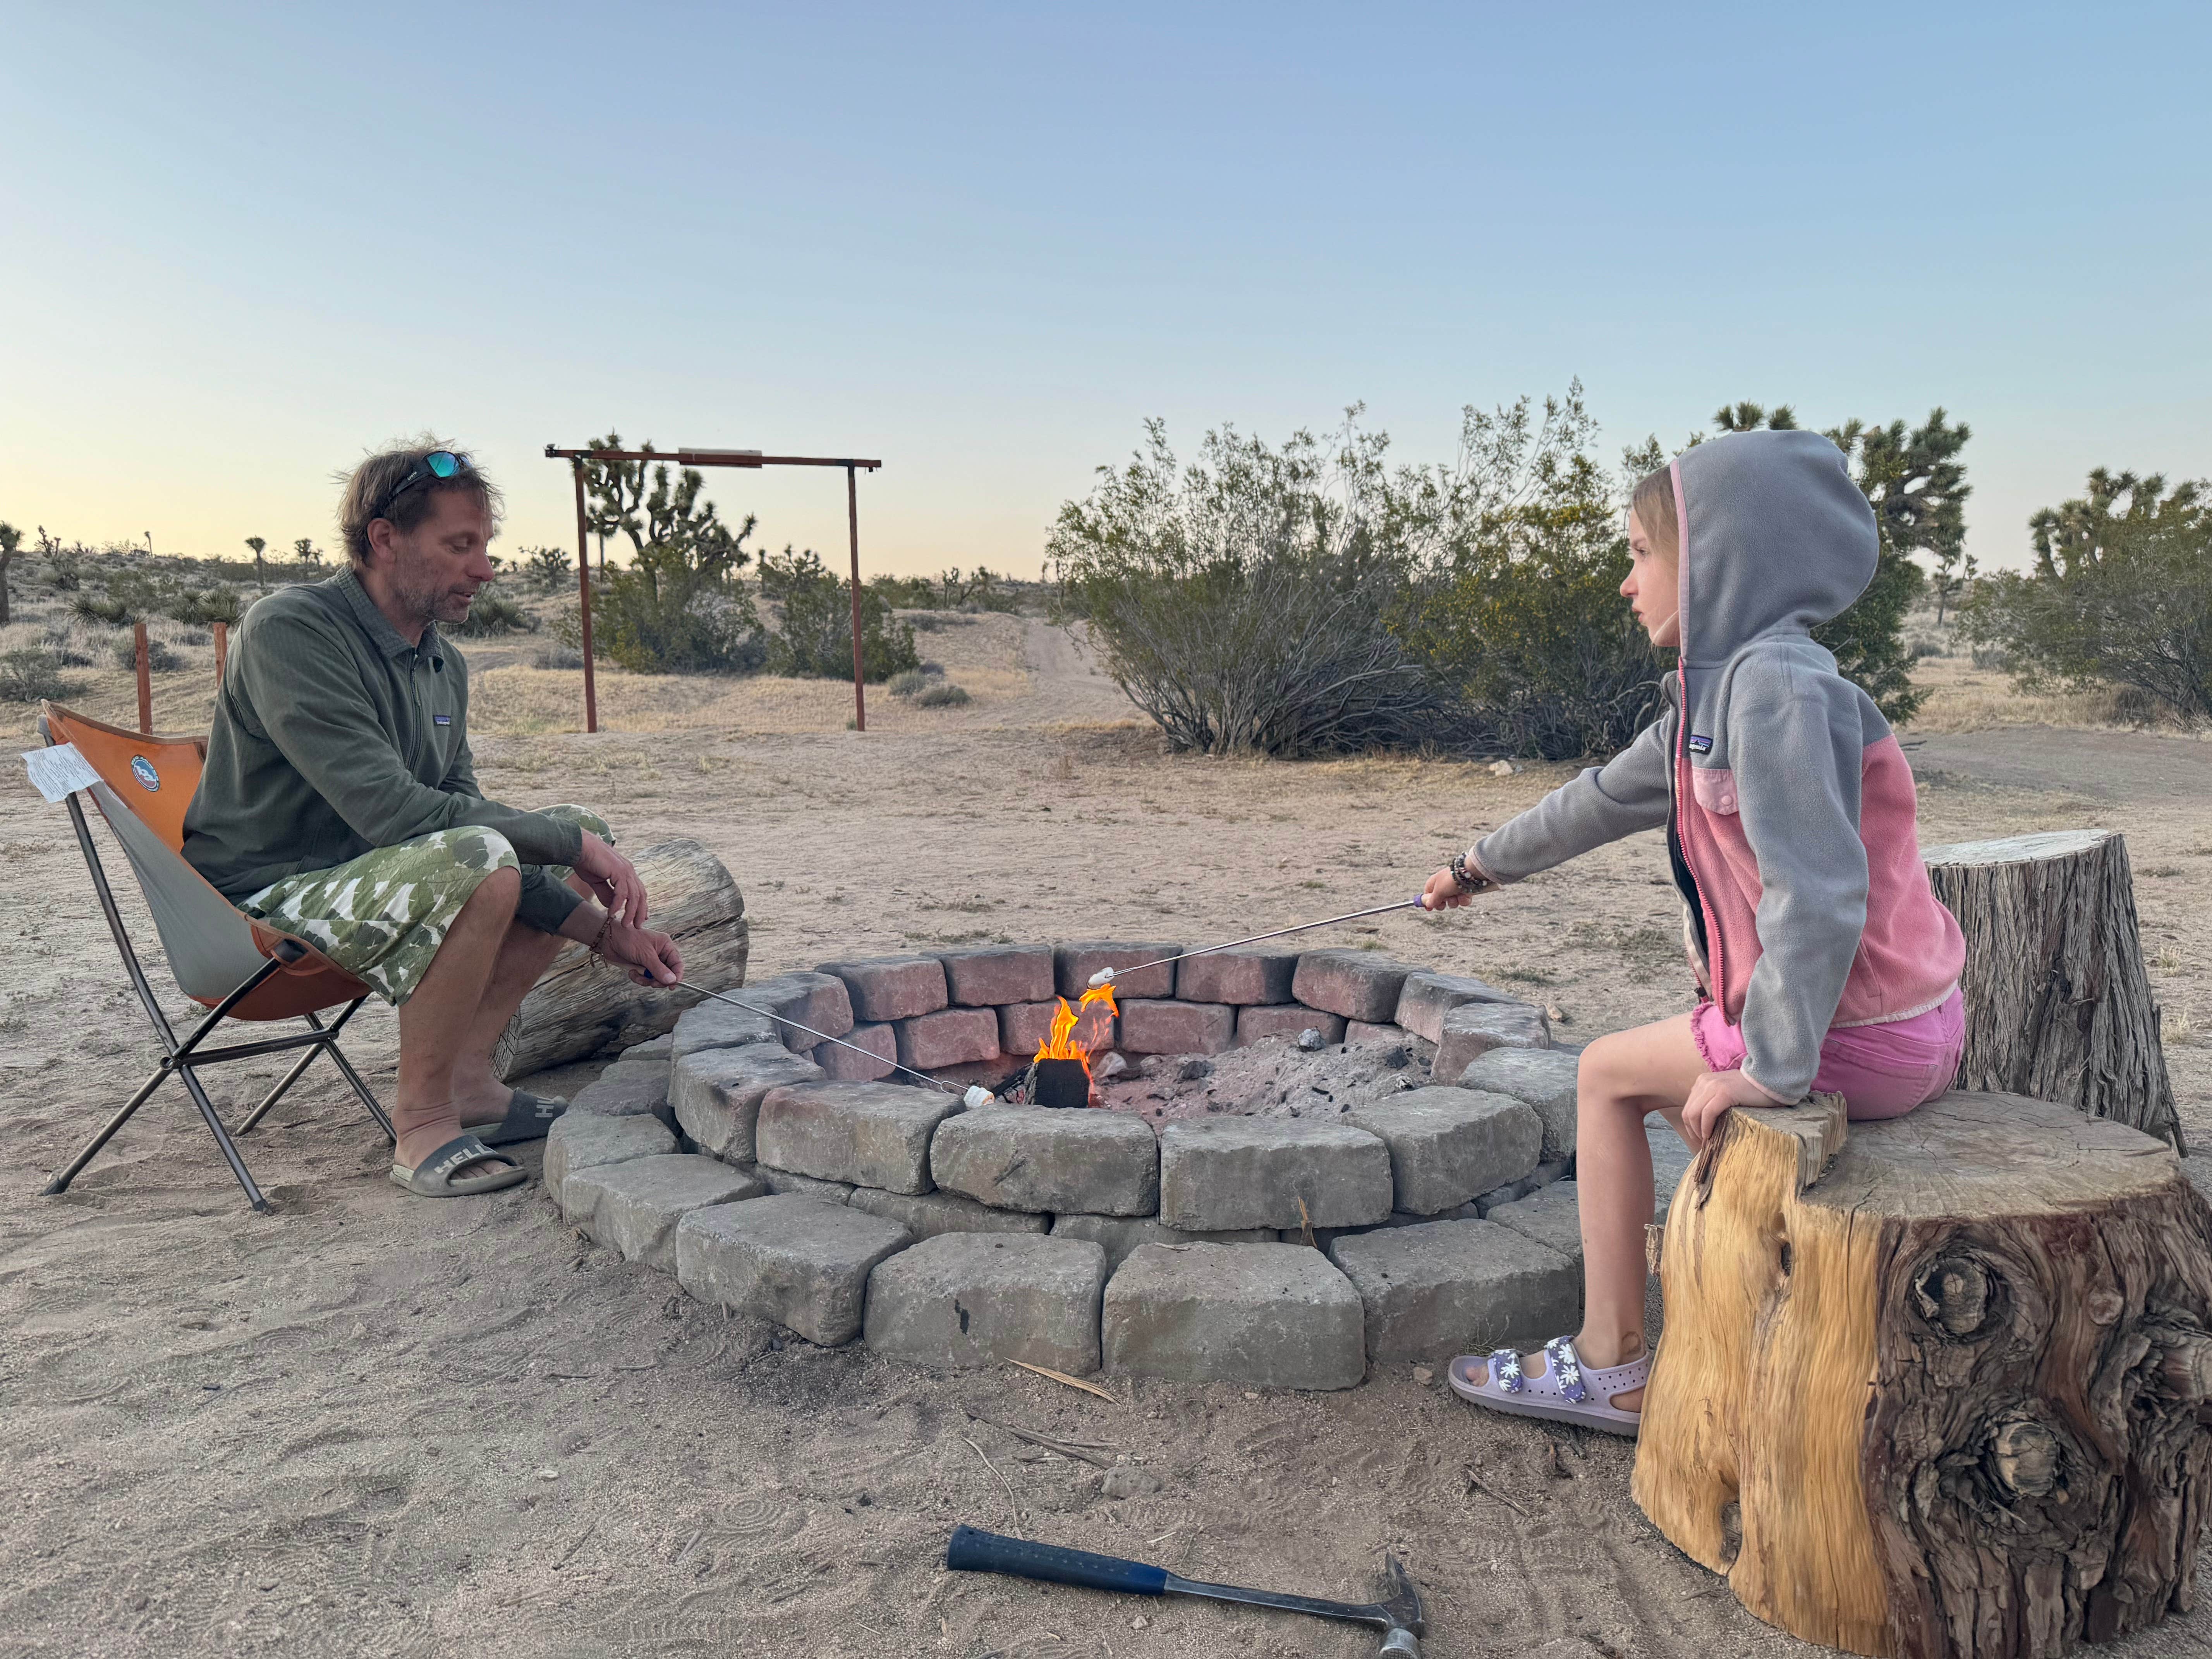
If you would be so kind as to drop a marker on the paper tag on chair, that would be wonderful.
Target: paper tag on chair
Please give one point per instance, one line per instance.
(59, 772)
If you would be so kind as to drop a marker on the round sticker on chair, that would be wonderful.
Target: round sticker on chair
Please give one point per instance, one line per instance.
(142, 770)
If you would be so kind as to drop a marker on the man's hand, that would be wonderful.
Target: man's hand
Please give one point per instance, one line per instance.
(647, 958)
(613, 880)
(1712, 1096)
(1443, 892)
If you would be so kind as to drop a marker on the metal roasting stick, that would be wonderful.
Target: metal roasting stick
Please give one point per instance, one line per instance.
(970, 1097)
(1107, 975)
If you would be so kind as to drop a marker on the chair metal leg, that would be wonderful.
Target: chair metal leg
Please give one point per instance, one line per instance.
(222, 1137)
(383, 1123)
(338, 1059)
(305, 1061)
(60, 1182)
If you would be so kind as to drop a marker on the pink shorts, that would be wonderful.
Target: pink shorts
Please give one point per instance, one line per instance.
(1881, 1071)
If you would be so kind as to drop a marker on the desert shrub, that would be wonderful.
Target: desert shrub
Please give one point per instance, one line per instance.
(678, 607)
(814, 631)
(549, 569)
(161, 657)
(2121, 598)
(32, 675)
(980, 589)
(1530, 626)
(208, 605)
(1310, 599)
(662, 615)
(561, 655)
(907, 683)
(493, 612)
(905, 592)
(115, 610)
(940, 694)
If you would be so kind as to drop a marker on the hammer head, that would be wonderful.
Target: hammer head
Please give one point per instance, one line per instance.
(1402, 1602)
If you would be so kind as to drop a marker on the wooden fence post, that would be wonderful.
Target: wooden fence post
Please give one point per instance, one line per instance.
(145, 678)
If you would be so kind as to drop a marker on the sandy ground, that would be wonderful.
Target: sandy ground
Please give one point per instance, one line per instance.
(369, 1423)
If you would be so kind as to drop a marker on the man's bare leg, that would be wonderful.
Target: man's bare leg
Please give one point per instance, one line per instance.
(435, 1021)
(523, 955)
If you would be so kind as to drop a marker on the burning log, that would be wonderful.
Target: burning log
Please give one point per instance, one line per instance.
(1060, 1073)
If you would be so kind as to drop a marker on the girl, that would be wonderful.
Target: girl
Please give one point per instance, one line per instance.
(1823, 959)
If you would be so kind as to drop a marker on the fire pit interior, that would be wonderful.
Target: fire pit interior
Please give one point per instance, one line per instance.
(1273, 1168)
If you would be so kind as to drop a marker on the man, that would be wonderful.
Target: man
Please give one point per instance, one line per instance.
(340, 803)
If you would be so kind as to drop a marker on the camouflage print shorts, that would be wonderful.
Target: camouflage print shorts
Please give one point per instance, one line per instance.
(382, 916)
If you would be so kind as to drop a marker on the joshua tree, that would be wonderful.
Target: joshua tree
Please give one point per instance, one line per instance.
(10, 539)
(306, 552)
(256, 544)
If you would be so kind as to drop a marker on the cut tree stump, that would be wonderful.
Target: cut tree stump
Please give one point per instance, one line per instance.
(1936, 1385)
(581, 1006)
(2058, 1005)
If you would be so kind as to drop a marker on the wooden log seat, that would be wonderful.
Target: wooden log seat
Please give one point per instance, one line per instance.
(581, 1006)
(1935, 1386)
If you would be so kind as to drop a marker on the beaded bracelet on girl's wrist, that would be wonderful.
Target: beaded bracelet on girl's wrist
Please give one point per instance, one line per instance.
(1468, 881)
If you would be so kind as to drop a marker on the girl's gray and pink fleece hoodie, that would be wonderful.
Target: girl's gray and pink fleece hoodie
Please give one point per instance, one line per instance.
(1788, 804)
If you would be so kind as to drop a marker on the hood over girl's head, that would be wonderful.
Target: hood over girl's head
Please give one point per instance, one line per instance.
(1773, 536)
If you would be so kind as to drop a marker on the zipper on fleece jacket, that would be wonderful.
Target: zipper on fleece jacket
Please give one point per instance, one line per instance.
(1704, 924)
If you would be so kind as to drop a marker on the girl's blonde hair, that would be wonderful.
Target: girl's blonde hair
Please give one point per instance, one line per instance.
(1653, 507)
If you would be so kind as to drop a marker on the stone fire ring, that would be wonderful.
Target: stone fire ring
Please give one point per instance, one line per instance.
(803, 1187)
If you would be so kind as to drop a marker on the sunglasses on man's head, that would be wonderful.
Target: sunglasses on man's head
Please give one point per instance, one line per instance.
(438, 464)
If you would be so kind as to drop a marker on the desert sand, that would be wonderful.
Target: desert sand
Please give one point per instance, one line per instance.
(371, 1424)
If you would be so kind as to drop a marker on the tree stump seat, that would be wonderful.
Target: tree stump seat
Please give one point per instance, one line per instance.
(1937, 1385)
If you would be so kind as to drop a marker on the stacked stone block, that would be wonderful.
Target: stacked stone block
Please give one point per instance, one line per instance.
(785, 1178)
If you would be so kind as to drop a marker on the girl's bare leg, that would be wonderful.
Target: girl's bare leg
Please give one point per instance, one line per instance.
(1623, 1077)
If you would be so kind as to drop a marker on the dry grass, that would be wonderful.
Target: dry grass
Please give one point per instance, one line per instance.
(1964, 698)
(983, 653)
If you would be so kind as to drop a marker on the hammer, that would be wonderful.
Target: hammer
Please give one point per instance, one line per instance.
(1397, 1615)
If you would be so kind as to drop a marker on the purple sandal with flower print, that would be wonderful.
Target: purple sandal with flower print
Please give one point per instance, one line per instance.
(1568, 1391)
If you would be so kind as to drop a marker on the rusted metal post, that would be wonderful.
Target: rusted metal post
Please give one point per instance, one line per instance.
(145, 679)
(222, 651)
(852, 518)
(584, 598)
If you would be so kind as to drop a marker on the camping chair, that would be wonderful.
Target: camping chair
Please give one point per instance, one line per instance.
(236, 967)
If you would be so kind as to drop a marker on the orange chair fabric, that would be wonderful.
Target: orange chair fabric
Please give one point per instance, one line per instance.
(154, 778)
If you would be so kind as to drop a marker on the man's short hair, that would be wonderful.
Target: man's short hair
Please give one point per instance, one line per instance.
(368, 493)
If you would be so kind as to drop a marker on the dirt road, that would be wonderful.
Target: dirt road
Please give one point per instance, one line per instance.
(371, 1424)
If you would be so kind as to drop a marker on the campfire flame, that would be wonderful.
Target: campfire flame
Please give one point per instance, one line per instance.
(1062, 1044)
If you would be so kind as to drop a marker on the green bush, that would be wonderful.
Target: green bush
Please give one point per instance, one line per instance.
(2120, 598)
(941, 694)
(908, 682)
(160, 658)
(814, 635)
(549, 569)
(33, 675)
(114, 610)
(493, 612)
(980, 589)
(1311, 600)
(1531, 627)
(210, 605)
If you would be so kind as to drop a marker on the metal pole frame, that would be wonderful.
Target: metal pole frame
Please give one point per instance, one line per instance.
(181, 1057)
(584, 598)
(744, 457)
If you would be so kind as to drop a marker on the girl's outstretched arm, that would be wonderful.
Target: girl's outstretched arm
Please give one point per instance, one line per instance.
(1601, 805)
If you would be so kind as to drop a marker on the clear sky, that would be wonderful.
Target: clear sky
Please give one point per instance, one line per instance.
(238, 245)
